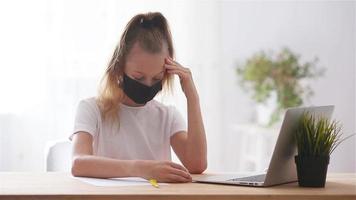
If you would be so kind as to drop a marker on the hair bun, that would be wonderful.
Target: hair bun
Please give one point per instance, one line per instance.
(150, 23)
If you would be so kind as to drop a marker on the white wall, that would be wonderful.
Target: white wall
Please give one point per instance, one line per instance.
(322, 29)
(57, 51)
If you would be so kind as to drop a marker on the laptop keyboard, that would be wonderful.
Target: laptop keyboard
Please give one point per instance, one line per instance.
(256, 178)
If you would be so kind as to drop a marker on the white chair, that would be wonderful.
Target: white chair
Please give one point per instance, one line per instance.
(58, 156)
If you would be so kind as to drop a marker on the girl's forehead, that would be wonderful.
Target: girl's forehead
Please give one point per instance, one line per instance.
(145, 62)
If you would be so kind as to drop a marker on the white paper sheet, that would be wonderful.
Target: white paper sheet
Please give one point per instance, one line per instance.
(131, 181)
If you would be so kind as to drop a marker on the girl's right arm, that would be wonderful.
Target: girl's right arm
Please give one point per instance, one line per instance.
(84, 163)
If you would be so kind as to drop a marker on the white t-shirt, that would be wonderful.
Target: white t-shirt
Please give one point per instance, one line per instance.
(144, 131)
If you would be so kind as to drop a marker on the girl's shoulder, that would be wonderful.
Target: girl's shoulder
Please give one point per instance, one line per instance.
(89, 104)
(90, 101)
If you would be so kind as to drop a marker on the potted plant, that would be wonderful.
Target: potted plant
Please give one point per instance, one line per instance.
(317, 138)
(276, 81)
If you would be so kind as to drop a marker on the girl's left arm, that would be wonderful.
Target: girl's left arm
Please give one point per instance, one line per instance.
(190, 147)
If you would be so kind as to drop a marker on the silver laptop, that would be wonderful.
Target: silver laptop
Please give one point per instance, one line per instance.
(281, 167)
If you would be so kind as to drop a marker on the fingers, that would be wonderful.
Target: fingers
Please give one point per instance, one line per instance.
(185, 75)
(180, 170)
(170, 67)
(175, 67)
(177, 166)
(171, 61)
(178, 72)
(172, 172)
(181, 173)
(176, 178)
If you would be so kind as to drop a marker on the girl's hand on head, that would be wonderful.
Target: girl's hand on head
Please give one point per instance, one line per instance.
(185, 76)
(165, 171)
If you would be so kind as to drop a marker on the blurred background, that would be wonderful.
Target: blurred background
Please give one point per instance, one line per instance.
(54, 52)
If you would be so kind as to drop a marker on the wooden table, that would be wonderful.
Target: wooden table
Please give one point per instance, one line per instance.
(55, 185)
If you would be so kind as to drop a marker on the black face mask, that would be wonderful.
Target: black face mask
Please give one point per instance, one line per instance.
(139, 92)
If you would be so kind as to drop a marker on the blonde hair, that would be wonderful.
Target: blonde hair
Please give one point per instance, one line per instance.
(152, 32)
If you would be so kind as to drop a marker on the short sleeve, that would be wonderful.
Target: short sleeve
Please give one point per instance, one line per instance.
(86, 118)
(178, 123)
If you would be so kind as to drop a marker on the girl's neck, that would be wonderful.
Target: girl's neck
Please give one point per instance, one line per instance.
(129, 102)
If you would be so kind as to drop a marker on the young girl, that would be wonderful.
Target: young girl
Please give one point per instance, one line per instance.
(123, 132)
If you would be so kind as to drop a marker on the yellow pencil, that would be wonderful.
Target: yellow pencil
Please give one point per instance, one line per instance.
(154, 183)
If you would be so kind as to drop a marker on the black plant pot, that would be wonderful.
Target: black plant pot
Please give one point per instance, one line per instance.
(311, 170)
